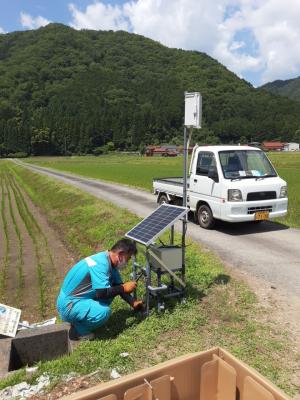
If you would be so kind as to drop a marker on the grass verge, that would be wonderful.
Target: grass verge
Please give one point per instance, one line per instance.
(219, 310)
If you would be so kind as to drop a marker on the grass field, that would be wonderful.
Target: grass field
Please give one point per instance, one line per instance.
(139, 172)
(288, 167)
(219, 310)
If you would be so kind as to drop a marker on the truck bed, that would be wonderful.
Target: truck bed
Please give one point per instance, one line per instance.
(171, 185)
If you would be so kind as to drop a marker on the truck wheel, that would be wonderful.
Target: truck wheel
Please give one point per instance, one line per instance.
(163, 199)
(205, 217)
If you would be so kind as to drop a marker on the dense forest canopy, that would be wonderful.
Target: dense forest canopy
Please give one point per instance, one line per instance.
(289, 88)
(65, 91)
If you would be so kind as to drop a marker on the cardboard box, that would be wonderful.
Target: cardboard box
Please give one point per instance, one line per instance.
(209, 375)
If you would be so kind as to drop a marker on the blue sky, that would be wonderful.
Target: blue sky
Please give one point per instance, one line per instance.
(259, 40)
(53, 10)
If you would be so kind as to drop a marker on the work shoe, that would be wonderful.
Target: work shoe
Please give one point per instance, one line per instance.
(74, 335)
(89, 336)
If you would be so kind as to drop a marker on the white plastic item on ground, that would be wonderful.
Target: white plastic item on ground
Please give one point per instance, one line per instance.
(31, 370)
(26, 325)
(24, 390)
(115, 374)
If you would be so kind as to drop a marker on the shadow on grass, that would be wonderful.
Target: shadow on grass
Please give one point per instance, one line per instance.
(119, 321)
(123, 319)
(194, 293)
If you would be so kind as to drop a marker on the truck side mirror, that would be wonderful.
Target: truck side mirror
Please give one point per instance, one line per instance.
(213, 174)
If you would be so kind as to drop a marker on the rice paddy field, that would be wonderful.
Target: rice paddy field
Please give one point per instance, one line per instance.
(139, 171)
(32, 258)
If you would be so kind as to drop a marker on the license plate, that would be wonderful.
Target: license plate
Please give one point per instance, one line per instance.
(261, 215)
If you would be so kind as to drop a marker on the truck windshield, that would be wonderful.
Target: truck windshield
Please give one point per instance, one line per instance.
(243, 164)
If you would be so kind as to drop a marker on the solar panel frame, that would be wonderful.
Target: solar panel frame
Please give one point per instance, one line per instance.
(156, 229)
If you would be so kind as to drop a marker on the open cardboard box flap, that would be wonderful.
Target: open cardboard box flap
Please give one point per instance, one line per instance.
(209, 375)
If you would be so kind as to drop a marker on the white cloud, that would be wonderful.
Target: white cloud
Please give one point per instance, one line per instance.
(30, 22)
(277, 28)
(2, 30)
(99, 16)
(187, 24)
(248, 36)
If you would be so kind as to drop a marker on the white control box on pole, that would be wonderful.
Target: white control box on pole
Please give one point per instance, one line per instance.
(192, 119)
(193, 110)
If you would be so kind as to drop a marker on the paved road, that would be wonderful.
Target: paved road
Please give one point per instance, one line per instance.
(269, 252)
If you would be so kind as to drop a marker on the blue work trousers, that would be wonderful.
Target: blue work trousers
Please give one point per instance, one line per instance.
(86, 315)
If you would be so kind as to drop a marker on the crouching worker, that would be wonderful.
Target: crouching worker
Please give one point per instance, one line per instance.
(90, 287)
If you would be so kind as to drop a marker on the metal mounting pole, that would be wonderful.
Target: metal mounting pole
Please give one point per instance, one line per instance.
(172, 235)
(147, 282)
(185, 150)
(184, 200)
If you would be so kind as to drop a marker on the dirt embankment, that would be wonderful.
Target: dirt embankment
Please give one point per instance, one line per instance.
(33, 259)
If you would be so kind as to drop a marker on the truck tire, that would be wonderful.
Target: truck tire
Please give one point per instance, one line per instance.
(163, 199)
(205, 217)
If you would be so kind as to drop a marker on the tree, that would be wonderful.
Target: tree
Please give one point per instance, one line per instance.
(110, 146)
(243, 140)
(65, 90)
(40, 141)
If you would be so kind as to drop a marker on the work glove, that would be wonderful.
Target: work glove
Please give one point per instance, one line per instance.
(129, 286)
(138, 305)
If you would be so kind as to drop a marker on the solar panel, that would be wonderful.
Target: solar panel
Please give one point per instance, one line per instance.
(156, 223)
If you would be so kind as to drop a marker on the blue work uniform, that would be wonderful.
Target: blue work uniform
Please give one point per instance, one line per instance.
(77, 301)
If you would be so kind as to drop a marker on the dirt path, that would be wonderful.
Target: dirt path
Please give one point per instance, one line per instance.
(37, 258)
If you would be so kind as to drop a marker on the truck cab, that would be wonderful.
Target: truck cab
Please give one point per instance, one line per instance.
(231, 183)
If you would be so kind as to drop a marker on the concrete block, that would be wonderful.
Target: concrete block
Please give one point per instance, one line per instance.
(5, 352)
(39, 344)
(33, 345)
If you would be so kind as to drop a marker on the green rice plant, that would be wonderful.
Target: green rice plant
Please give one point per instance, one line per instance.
(5, 261)
(43, 288)
(288, 167)
(27, 218)
(20, 263)
(126, 169)
(33, 220)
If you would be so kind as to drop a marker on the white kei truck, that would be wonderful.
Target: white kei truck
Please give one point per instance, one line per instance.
(228, 183)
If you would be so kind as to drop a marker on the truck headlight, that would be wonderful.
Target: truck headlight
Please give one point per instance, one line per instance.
(283, 192)
(234, 195)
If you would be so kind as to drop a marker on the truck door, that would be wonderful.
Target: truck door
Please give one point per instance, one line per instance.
(203, 187)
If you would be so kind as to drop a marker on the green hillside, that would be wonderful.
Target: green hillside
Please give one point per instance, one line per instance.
(63, 91)
(289, 88)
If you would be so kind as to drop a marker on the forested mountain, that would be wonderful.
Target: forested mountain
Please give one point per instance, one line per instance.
(63, 91)
(289, 88)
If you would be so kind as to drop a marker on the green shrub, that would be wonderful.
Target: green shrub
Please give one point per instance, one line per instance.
(19, 154)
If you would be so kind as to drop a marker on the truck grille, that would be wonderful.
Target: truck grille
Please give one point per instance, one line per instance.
(252, 210)
(254, 196)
